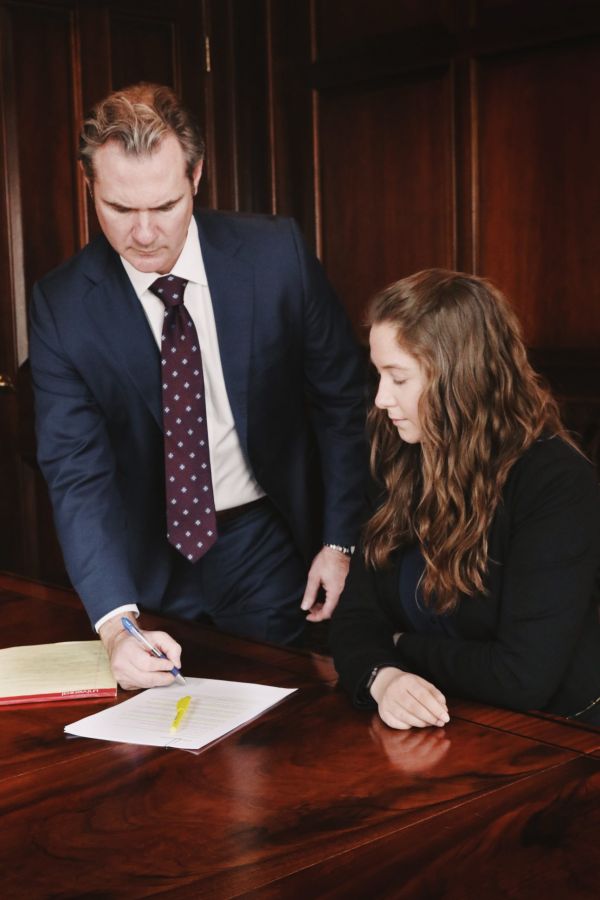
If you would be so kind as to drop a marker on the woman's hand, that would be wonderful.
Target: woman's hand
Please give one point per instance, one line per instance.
(408, 701)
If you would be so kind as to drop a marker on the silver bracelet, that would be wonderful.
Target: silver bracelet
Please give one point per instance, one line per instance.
(347, 551)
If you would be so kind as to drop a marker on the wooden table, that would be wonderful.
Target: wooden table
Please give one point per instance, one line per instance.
(311, 800)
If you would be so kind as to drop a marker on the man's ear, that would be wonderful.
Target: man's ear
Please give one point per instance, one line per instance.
(197, 175)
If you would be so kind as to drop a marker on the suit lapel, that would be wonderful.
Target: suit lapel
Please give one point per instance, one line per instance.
(230, 282)
(120, 321)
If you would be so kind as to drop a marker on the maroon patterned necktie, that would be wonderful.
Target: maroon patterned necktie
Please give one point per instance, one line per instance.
(191, 518)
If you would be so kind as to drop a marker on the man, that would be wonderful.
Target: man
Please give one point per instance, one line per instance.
(220, 434)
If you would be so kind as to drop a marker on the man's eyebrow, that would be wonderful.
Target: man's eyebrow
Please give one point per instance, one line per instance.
(121, 206)
(167, 203)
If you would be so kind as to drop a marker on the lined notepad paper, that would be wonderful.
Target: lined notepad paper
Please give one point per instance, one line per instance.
(63, 671)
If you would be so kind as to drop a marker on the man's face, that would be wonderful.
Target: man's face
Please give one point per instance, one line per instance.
(144, 203)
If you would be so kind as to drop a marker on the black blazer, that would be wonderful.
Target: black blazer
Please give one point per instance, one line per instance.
(534, 641)
(292, 372)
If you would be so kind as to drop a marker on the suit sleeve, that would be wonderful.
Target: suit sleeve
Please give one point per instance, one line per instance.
(77, 461)
(334, 372)
(547, 583)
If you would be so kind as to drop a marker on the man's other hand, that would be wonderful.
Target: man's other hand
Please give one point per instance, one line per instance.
(328, 571)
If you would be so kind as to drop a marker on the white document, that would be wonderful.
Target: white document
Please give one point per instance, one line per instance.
(215, 708)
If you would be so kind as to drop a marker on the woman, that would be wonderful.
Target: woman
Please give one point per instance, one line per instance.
(477, 574)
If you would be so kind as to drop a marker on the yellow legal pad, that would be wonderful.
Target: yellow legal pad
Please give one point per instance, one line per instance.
(43, 672)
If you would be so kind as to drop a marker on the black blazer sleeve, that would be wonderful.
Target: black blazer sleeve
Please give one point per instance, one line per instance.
(363, 623)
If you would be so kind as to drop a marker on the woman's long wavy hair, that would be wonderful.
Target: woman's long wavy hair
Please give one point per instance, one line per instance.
(481, 408)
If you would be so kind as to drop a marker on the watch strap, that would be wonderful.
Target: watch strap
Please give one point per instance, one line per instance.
(347, 551)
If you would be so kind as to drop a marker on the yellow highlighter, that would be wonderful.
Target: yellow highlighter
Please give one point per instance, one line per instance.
(182, 706)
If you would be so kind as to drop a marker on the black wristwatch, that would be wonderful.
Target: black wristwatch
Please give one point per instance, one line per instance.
(374, 673)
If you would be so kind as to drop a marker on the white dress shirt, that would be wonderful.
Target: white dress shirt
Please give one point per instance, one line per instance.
(233, 481)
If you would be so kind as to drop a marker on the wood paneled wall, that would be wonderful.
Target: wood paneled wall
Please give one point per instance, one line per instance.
(459, 133)
(466, 135)
(400, 133)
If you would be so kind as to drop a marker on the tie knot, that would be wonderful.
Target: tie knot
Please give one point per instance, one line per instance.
(169, 289)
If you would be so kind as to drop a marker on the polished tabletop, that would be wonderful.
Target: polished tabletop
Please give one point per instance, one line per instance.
(312, 799)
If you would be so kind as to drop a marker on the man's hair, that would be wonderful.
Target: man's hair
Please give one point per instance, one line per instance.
(482, 406)
(139, 118)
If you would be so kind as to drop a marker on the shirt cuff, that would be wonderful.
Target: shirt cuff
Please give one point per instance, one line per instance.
(129, 607)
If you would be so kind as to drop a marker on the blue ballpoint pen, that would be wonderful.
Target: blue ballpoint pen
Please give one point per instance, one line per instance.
(136, 633)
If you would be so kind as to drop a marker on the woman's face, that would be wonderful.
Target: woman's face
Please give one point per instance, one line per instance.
(401, 381)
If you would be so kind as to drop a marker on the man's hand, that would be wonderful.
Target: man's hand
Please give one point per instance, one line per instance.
(329, 569)
(408, 701)
(132, 665)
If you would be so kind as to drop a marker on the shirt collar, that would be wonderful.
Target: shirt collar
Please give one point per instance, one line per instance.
(189, 265)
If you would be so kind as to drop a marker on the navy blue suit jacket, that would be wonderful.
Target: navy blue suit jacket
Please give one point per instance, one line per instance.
(292, 371)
